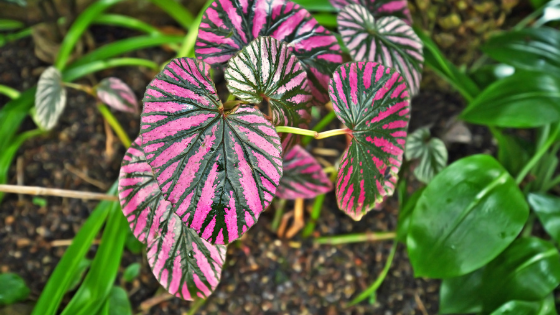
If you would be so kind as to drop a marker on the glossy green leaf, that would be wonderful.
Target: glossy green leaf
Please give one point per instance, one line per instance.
(316, 5)
(512, 153)
(405, 212)
(117, 303)
(79, 273)
(461, 295)
(126, 21)
(547, 208)
(523, 100)
(527, 270)
(131, 272)
(50, 98)
(468, 214)
(544, 307)
(12, 289)
(431, 152)
(532, 49)
(101, 276)
(488, 74)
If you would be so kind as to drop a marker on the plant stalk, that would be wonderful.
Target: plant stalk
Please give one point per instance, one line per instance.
(355, 238)
(114, 123)
(312, 133)
(41, 191)
(318, 205)
(9, 92)
(538, 155)
(322, 124)
(278, 214)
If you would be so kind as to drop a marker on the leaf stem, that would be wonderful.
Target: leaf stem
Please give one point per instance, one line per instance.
(312, 133)
(322, 124)
(9, 92)
(355, 238)
(114, 123)
(318, 205)
(375, 285)
(41, 191)
(278, 214)
(79, 87)
(538, 155)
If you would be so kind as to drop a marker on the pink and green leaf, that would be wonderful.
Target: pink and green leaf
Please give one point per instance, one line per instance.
(303, 176)
(185, 265)
(115, 93)
(386, 40)
(219, 168)
(380, 8)
(229, 25)
(373, 102)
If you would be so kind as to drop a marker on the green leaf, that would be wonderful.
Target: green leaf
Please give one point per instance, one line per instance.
(22, 3)
(431, 152)
(177, 11)
(544, 307)
(61, 279)
(523, 100)
(316, 5)
(461, 295)
(468, 214)
(79, 274)
(50, 98)
(38, 201)
(547, 208)
(512, 153)
(117, 303)
(527, 270)
(101, 276)
(488, 74)
(405, 214)
(12, 289)
(10, 25)
(532, 49)
(131, 272)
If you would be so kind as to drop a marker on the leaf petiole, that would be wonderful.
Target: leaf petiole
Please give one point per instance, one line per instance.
(312, 133)
(114, 123)
(80, 87)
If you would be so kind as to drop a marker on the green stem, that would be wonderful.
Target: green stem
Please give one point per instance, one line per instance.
(318, 205)
(552, 184)
(115, 125)
(312, 133)
(278, 214)
(79, 87)
(374, 286)
(187, 48)
(9, 92)
(195, 306)
(355, 238)
(538, 155)
(322, 124)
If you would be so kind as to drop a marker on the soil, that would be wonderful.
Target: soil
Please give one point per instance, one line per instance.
(262, 274)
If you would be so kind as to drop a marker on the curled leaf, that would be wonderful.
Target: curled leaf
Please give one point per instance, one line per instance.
(373, 102)
(380, 8)
(229, 25)
(115, 93)
(219, 168)
(303, 176)
(50, 98)
(431, 152)
(386, 40)
(186, 265)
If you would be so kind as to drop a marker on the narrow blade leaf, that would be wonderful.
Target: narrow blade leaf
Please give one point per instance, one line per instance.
(547, 208)
(380, 8)
(115, 93)
(50, 98)
(373, 102)
(387, 40)
(229, 25)
(303, 176)
(218, 168)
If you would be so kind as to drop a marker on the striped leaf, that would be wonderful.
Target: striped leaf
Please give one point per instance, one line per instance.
(265, 69)
(115, 93)
(373, 102)
(380, 8)
(303, 176)
(50, 98)
(186, 265)
(229, 25)
(431, 153)
(386, 40)
(218, 167)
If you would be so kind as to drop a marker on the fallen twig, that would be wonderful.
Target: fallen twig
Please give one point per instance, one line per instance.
(42, 191)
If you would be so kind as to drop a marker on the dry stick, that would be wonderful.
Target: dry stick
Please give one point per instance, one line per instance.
(420, 304)
(86, 178)
(153, 301)
(298, 218)
(41, 191)
(59, 243)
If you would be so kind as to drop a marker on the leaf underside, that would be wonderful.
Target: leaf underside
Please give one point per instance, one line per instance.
(431, 152)
(186, 265)
(218, 169)
(380, 8)
(373, 102)
(386, 40)
(50, 98)
(229, 25)
(303, 176)
(115, 93)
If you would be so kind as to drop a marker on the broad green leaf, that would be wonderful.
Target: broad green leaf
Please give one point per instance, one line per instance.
(12, 288)
(186, 265)
(488, 74)
(532, 49)
(374, 103)
(461, 295)
(131, 272)
(303, 176)
(79, 274)
(386, 40)
(218, 167)
(115, 93)
(229, 25)
(431, 152)
(405, 213)
(527, 270)
(50, 98)
(523, 100)
(544, 307)
(117, 303)
(380, 8)
(468, 214)
(267, 70)
(547, 208)
(512, 153)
